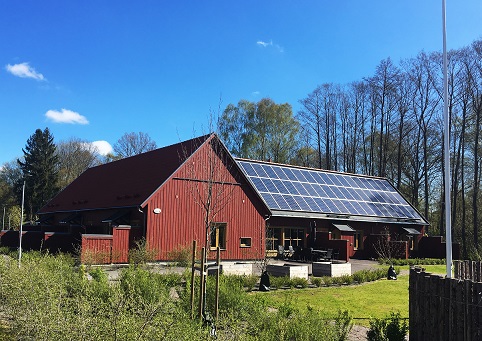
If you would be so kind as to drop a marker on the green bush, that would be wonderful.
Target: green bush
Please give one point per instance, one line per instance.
(316, 281)
(171, 279)
(249, 282)
(360, 276)
(392, 328)
(181, 256)
(5, 250)
(49, 298)
(347, 279)
(327, 280)
(281, 282)
(299, 282)
(141, 253)
(411, 261)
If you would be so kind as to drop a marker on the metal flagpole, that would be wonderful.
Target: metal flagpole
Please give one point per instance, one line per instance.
(448, 227)
(21, 227)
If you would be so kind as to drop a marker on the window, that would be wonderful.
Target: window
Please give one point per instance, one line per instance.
(293, 237)
(358, 240)
(411, 244)
(273, 238)
(218, 235)
(245, 242)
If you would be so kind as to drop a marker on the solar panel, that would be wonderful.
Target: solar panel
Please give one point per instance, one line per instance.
(294, 189)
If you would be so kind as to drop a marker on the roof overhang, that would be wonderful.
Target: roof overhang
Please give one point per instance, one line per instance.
(343, 228)
(346, 217)
(70, 218)
(410, 231)
(116, 216)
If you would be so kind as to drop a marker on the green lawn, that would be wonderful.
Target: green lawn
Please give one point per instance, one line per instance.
(365, 301)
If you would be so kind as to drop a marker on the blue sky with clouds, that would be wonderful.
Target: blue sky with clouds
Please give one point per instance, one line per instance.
(98, 69)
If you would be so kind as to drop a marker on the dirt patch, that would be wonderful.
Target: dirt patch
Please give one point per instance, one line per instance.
(357, 333)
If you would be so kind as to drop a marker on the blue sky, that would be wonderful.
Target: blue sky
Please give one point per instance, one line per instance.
(98, 69)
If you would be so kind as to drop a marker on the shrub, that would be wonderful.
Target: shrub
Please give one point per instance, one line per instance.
(316, 281)
(170, 279)
(299, 282)
(391, 328)
(338, 280)
(181, 256)
(5, 250)
(249, 282)
(360, 276)
(141, 253)
(327, 280)
(411, 261)
(280, 282)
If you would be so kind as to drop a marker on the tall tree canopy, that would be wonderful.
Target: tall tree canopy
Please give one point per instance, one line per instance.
(131, 144)
(39, 171)
(263, 130)
(75, 156)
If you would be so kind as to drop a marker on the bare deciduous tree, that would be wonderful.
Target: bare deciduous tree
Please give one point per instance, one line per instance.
(75, 156)
(131, 144)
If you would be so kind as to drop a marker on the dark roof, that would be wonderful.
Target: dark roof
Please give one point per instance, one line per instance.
(292, 191)
(127, 182)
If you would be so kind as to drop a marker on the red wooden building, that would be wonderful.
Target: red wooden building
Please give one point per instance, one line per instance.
(171, 196)
(195, 190)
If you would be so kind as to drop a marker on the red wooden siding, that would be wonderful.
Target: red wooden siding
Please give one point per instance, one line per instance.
(96, 248)
(181, 219)
(120, 244)
(59, 241)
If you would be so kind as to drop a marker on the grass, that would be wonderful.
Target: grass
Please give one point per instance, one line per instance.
(433, 269)
(369, 300)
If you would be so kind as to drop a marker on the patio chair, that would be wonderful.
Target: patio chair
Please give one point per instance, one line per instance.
(336, 254)
(329, 254)
(281, 252)
(308, 254)
(299, 253)
(291, 251)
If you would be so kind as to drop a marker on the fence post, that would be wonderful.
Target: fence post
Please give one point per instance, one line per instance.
(413, 313)
(202, 283)
(218, 271)
(193, 271)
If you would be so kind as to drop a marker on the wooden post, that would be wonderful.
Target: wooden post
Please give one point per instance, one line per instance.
(218, 265)
(193, 271)
(202, 283)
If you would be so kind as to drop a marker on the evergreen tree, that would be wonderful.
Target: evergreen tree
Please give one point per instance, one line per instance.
(40, 171)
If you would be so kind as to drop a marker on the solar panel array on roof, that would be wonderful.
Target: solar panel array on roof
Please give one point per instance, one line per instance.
(294, 189)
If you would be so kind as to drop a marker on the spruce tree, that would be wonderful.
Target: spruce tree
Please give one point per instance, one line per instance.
(40, 171)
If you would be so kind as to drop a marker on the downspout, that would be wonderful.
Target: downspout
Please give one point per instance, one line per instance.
(144, 225)
(265, 230)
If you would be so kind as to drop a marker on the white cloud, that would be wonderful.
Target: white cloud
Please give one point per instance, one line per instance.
(66, 116)
(263, 43)
(255, 93)
(103, 147)
(270, 44)
(24, 70)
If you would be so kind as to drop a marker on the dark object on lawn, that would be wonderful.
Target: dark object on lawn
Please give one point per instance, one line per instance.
(264, 283)
(391, 273)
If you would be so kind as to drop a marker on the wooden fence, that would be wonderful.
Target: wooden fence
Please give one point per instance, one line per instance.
(106, 248)
(466, 269)
(444, 309)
